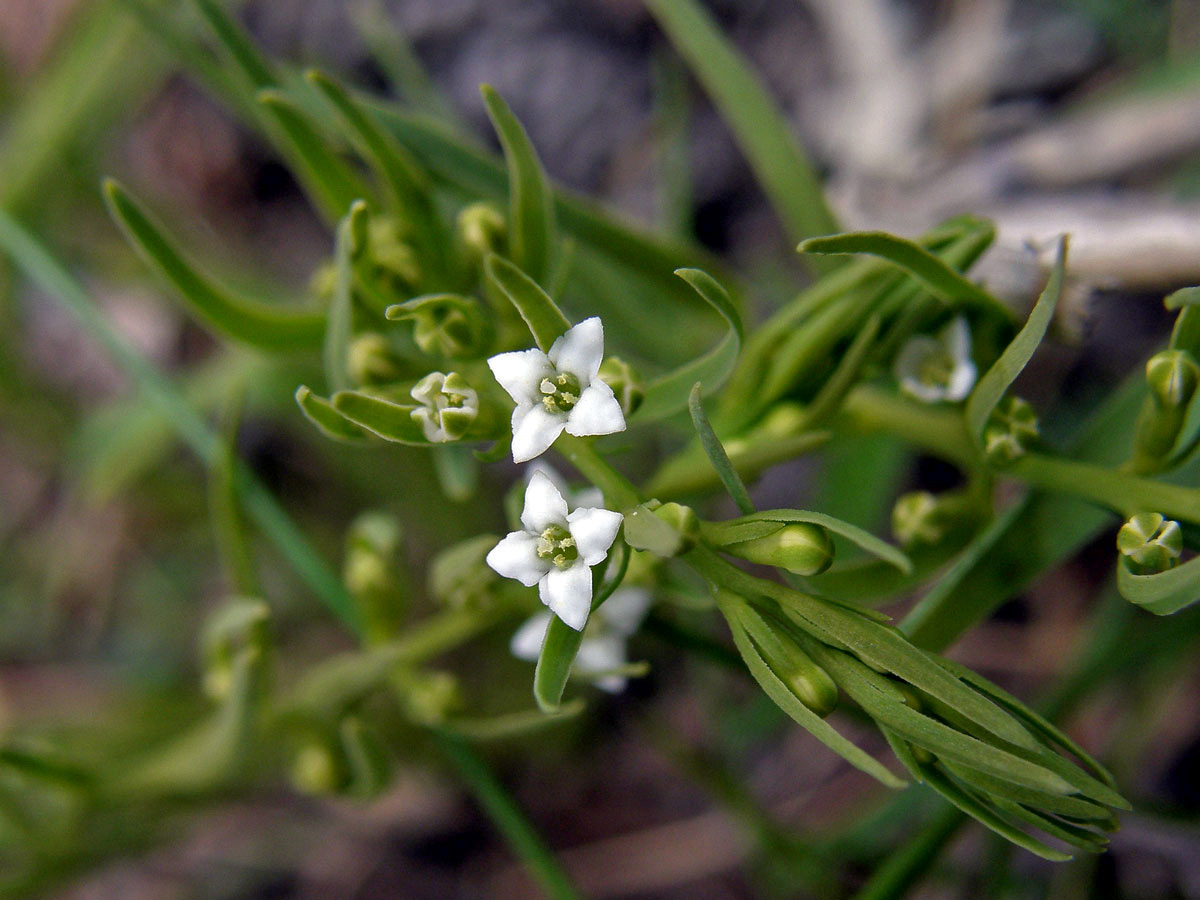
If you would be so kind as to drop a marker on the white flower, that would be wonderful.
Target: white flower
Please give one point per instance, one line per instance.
(584, 496)
(558, 390)
(933, 369)
(557, 550)
(448, 406)
(602, 652)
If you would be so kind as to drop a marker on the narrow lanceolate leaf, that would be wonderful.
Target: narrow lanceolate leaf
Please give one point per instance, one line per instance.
(717, 455)
(784, 171)
(559, 649)
(391, 421)
(253, 64)
(733, 531)
(339, 325)
(328, 420)
(1162, 593)
(939, 277)
(233, 316)
(328, 180)
(997, 380)
(545, 320)
(786, 700)
(669, 394)
(531, 203)
(407, 184)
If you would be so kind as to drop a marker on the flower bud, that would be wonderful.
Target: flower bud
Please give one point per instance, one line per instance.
(241, 624)
(1010, 431)
(920, 518)
(444, 324)
(449, 406)
(372, 573)
(683, 521)
(625, 383)
(1150, 543)
(808, 681)
(1172, 376)
(370, 360)
(481, 230)
(389, 252)
(459, 576)
(428, 697)
(799, 547)
(316, 767)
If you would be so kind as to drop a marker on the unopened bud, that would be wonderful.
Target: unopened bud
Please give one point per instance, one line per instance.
(315, 767)
(1150, 543)
(683, 521)
(459, 577)
(242, 624)
(444, 324)
(808, 681)
(370, 360)
(799, 547)
(372, 573)
(1010, 431)
(481, 229)
(920, 518)
(625, 383)
(1172, 376)
(390, 253)
(429, 697)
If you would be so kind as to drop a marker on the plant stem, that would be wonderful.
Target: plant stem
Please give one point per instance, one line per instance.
(617, 489)
(940, 431)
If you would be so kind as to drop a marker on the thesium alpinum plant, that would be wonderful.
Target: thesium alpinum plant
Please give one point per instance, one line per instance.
(515, 336)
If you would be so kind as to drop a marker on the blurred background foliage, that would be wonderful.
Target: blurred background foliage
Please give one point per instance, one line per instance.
(1045, 117)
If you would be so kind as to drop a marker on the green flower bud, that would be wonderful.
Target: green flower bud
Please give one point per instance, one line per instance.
(921, 518)
(1150, 543)
(808, 681)
(429, 697)
(1173, 376)
(316, 767)
(799, 547)
(445, 324)
(481, 229)
(449, 406)
(1010, 431)
(372, 573)
(683, 521)
(625, 383)
(371, 361)
(389, 252)
(241, 624)
(459, 577)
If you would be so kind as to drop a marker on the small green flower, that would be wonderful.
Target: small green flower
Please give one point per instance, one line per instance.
(1150, 543)
(1010, 431)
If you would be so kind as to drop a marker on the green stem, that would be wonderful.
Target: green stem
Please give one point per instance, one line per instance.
(617, 489)
(1116, 489)
(940, 431)
(906, 866)
(507, 816)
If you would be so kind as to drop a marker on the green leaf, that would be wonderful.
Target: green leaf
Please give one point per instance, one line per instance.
(845, 375)
(391, 421)
(940, 278)
(332, 423)
(1075, 807)
(784, 171)
(252, 63)
(545, 320)
(225, 511)
(1182, 298)
(230, 315)
(997, 380)
(1162, 593)
(731, 531)
(407, 183)
(783, 697)
(339, 325)
(669, 394)
(457, 471)
(559, 649)
(531, 203)
(717, 455)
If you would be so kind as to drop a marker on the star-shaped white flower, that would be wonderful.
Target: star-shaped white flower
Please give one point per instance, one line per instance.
(933, 369)
(556, 550)
(602, 651)
(558, 390)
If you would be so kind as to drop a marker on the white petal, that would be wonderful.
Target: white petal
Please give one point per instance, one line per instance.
(516, 557)
(534, 430)
(908, 368)
(430, 426)
(600, 654)
(625, 609)
(544, 505)
(580, 351)
(426, 390)
(956, 338)
(520, 372)
(962, 379)
(568, 593)
(594, 531)
(527, 642)
(597, 412)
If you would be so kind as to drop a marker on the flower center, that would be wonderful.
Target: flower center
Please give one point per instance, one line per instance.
(556, 545)
(453, 401)
(560, 392)
(936, 368)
